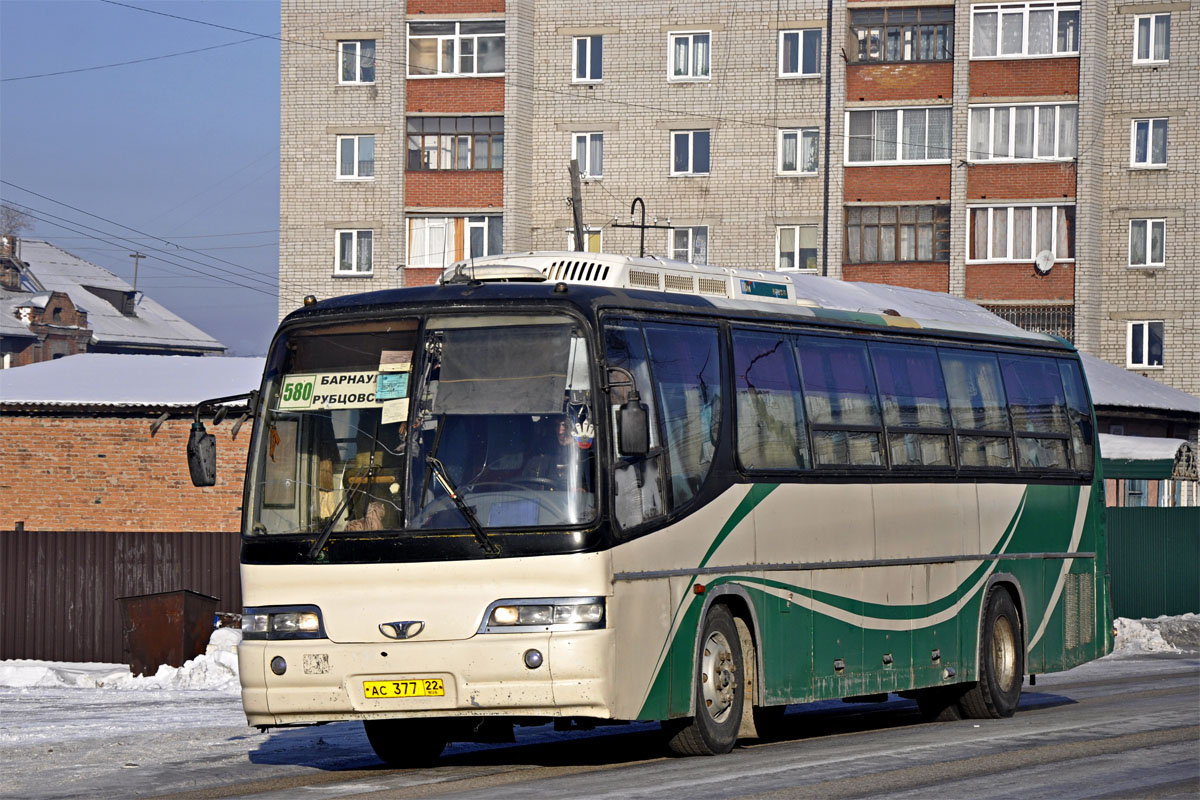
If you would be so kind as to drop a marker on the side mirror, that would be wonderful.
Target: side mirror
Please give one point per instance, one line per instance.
(202, 456)
(633, 425)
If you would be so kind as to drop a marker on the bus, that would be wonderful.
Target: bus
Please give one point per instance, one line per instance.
(589, 488)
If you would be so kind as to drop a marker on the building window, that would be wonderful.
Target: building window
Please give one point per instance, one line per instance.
(903, 34)
(589, 59)
(689, 56)
(356, 156)
(884, 234)
(354, 253)
(455, 48)
(999, 133)
(798, 149)
(1148, 143)
(455, 143)
(898, 135)
(440, 241)
(1019, 233)
(796, 247)
(689, 244)
(1146, 245)
(1015, 30)
(1145, 345)
(1151, 38)
(357, 61)
(589, 152)
(593, 240)
(800, 53)
(689, 152)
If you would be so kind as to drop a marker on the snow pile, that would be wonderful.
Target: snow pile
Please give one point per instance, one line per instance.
(1135, 636)
(217, 670)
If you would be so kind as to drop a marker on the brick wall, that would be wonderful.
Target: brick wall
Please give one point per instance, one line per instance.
(925, 183)
(448, 188)
(455, 6)
(81, 473)
(456, 95)
(1021, 181)
(884, 82)
(1019, 282)
(1025, 77)
(932, 277)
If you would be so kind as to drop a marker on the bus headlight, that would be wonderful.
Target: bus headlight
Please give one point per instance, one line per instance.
(544, 614)
(284, 622)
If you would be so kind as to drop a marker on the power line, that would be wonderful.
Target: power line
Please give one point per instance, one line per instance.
(134, 61)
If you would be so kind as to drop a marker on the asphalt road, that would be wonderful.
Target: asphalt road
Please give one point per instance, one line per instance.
(1117, 728)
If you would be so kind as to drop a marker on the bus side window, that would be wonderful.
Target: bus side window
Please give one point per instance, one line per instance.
(843, 408)
(1082, 432)
(978, 408)
(637, 481)
(915, 408)
(771, 432)
(1039, 411)
(687, 374)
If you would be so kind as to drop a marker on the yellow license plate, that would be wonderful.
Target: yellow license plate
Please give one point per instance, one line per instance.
(413, 687)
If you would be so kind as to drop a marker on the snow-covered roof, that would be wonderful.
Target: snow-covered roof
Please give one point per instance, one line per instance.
(152, 325)
(9, 324)
(106, 379)
(1114, 386)
(1139, 448)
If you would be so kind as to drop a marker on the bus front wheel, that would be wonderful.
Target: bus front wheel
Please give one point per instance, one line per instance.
(1001, 661)
(720, 685)
(407, 743)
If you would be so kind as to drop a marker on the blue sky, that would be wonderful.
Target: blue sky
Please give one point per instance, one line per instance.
(184, 148)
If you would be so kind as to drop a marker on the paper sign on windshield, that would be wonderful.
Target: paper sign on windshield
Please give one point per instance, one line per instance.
(328, 390)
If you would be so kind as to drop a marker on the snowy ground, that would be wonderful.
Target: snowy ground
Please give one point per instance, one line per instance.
(66, 730)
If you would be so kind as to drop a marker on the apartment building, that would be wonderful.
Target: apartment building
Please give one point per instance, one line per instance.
(1014, 153)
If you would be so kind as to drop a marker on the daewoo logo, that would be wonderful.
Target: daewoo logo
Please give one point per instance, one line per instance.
(402, 630)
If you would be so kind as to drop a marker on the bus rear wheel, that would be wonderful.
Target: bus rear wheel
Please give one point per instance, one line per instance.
(1001, 661)
(719, 691)
(407, 743)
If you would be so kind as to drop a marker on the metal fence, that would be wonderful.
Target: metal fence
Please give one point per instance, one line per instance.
(1057, 320)
(1153, 555)
(58, 599)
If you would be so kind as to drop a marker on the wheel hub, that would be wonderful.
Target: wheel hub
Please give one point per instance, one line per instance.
(717, 679)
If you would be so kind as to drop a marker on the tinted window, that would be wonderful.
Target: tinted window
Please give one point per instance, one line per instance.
(1039, 411)
(637, 482)
(687, 374)
(770, 410)
(1082, 431)
(839, 394)
(913, 394)
(977, 404)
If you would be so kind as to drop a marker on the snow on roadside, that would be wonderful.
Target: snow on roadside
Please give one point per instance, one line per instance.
(1135, 636)
(216, 670)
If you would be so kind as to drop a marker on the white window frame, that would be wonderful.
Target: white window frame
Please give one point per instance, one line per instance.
(589, 43)
(1060, 154)
(691, 242)
(802, 136)
(356, 239)
(356, 138)
(898, 150)
(586, 138)
(1008, 258)
(796, 257)
(1149, 163)
(803, 36)
(691, 146)
(590, 234)
(455, 41)
(1152, 38)
(691, 74)
(358, 69)
(1147, 235)
(1145, 354)
(1000, 9)
(421, 226)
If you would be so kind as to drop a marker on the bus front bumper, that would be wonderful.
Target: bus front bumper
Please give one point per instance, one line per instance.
(485, 675)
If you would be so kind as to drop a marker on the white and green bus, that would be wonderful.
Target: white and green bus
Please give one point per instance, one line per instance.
(582, 488)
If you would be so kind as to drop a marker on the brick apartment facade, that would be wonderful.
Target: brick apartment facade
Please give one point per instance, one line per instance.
(939, 145)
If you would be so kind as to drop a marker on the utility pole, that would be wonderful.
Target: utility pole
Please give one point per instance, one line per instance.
(577, 206)
(137, 257)
(643, 226)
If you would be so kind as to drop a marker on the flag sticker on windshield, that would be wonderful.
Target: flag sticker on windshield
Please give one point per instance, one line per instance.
(328, 390)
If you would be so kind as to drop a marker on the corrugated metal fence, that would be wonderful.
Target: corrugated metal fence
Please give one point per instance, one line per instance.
(58, 599)
(1153, 557)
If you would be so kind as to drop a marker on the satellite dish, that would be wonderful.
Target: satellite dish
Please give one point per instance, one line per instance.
(1043, 261)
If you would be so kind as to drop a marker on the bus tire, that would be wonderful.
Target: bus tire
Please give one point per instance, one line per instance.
(719, 691)
(406, 743)
(1001, 661)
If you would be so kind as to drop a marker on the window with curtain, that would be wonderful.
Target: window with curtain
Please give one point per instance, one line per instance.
(589, 152)
(798, 151)
(800, 53)
(689, 55)
(354, 252)
(1147, 246)
(1048, 132)
(1152, 38)
(1148, 143)
(898, 135)
(1025, 30)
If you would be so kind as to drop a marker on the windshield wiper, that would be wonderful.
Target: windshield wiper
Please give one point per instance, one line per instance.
(439, 472)
(327, 528)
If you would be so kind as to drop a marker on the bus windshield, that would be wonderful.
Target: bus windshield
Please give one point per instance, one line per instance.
(481, 422)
